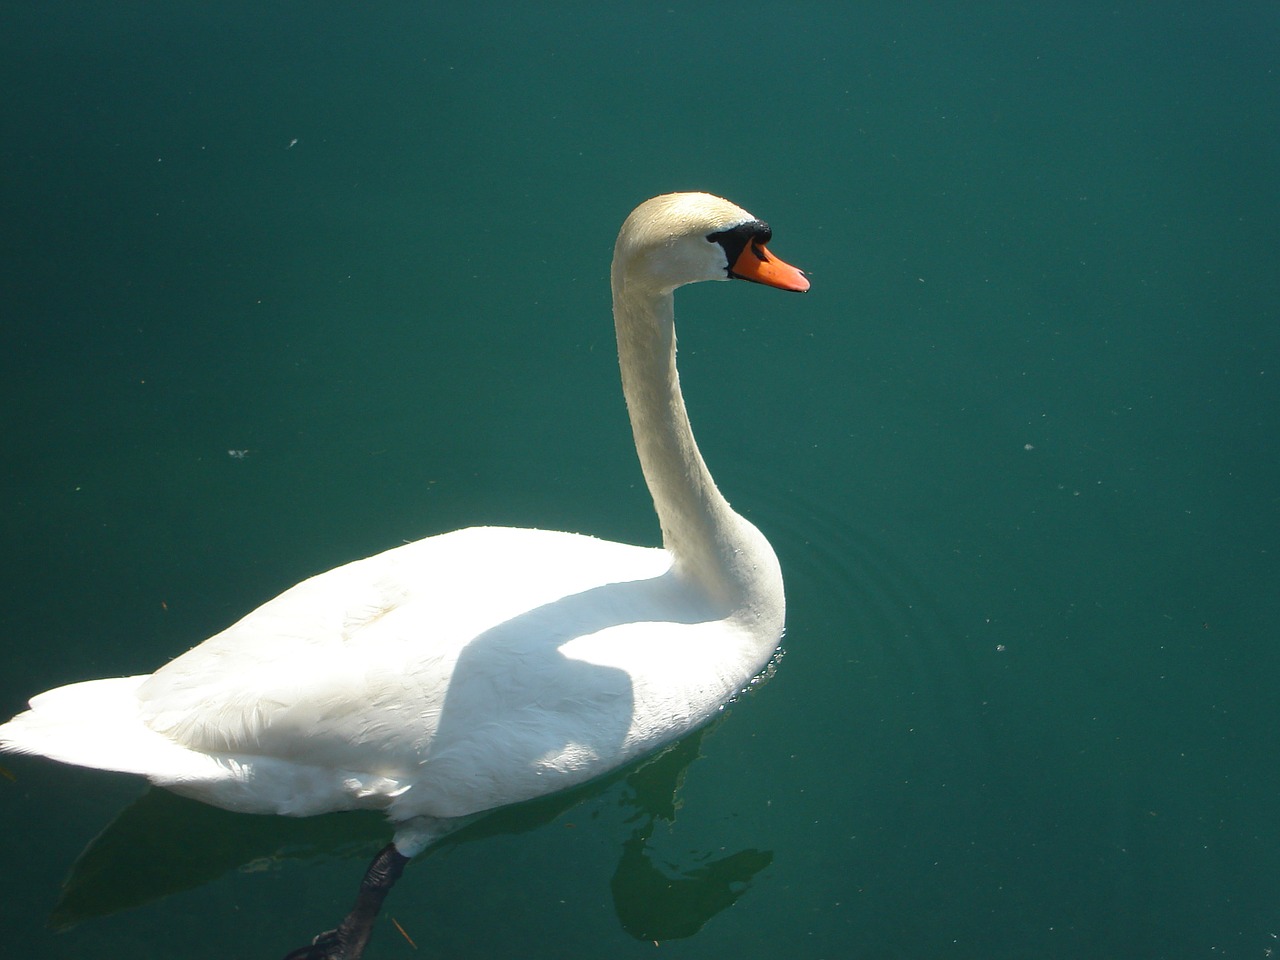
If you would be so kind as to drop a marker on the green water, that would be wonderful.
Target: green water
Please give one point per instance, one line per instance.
(1016, 450)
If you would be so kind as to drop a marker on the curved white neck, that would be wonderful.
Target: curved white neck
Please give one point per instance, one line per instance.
(711, 544)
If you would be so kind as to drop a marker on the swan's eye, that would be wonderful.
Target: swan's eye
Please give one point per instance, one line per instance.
(753, 233)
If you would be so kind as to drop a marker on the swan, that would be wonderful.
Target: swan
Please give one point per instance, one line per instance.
(478, 668)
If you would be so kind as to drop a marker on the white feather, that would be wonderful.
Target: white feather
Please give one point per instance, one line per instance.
(480, 667)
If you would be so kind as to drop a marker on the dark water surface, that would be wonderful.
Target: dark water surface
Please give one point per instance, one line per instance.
(1017, 451)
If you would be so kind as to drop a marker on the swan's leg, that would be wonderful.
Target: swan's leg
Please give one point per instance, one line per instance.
(348, 941)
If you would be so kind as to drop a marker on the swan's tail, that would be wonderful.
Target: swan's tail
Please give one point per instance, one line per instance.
(98, 724)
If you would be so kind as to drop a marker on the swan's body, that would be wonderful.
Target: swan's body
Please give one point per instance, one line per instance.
(326, 698)
(481, 667)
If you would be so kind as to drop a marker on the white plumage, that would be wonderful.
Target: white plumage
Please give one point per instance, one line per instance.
(480, 667)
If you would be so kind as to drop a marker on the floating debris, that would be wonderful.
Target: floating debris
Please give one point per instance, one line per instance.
(403, 934)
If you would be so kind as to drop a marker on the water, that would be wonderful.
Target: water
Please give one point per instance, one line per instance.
(1016, 450)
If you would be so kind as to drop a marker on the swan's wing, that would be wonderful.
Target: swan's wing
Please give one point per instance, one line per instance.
(358, 661)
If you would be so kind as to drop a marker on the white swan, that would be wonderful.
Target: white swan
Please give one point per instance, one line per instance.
(481, 667)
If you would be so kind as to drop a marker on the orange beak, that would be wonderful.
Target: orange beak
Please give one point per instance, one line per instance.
(758, 264)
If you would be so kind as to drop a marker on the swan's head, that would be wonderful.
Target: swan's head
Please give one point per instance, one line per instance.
(681, 238)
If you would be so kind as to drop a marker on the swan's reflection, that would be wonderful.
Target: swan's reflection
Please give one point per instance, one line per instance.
(672, 901)
(131, 862)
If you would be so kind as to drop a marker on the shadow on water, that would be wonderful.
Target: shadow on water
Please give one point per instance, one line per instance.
(132, 862)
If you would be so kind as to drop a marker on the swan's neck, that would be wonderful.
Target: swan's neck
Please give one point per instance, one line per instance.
(712, 545)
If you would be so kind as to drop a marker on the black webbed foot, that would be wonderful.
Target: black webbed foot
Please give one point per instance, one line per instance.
(326, 946)
(348, 941)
